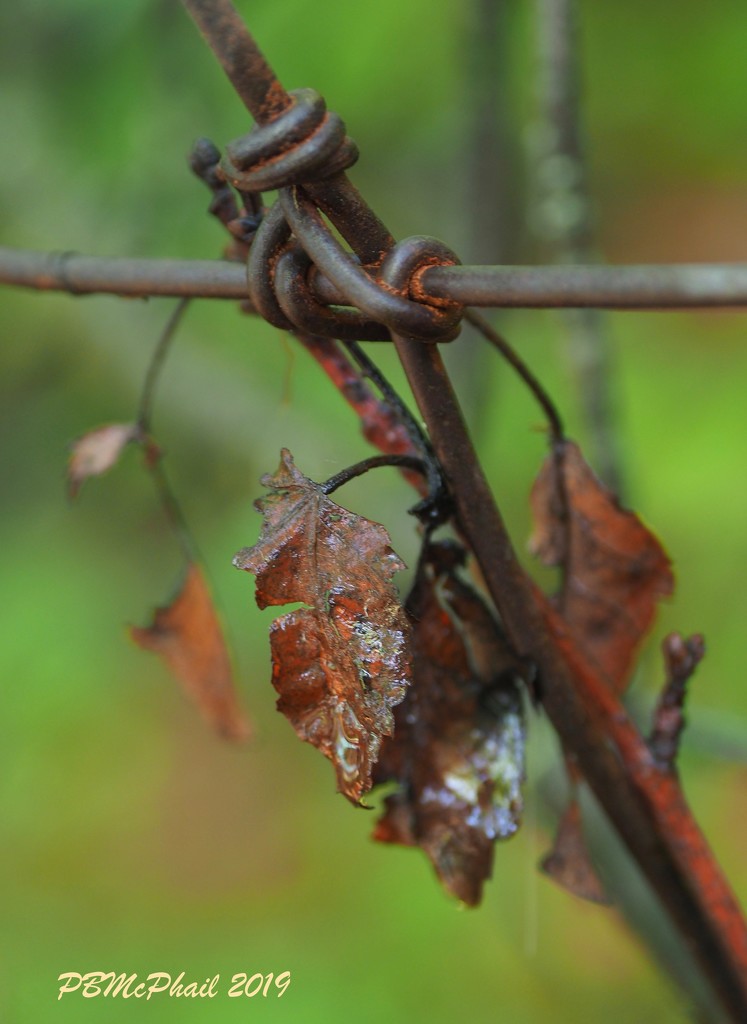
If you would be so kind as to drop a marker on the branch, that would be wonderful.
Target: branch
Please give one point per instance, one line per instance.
(662, 286)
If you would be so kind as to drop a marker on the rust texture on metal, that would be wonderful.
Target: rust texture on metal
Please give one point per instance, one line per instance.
(243, 62)
(640, 287)
(600, 287)
(302, 149)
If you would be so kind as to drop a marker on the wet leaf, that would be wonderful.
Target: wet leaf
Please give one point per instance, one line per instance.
(188, 636)
(342, 663)
(614, 569)
(458, 746)
(97, 451)
(569, 864)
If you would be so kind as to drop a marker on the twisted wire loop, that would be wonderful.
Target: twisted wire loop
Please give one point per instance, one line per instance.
(306, 144)
(304, 309)
(387, 301)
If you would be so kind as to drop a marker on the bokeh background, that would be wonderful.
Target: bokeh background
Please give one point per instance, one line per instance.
(133, 839)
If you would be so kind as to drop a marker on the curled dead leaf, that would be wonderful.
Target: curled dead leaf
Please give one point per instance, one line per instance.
(458, 747)
(614, 571)
(341, 664)
(187, 634)
(97, 451)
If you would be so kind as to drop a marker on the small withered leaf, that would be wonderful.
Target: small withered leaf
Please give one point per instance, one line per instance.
(458, 747)
(341, 664)
(614, 571)
(187, 634)
(568, 864)
(97, 451)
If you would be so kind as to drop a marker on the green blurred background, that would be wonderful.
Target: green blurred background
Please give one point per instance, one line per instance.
(132, 839)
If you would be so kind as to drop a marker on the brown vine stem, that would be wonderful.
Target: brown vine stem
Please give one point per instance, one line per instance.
(648, 809)
(382, 422)
(145, 410)
(152, 452)
(631, 287)
(373, 462)
(514, 360)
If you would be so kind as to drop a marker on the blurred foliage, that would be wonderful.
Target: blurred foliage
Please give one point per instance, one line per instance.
(135, 841)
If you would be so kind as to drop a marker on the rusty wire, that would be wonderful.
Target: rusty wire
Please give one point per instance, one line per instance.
(643, 287)
(297, 143)
(624, 288)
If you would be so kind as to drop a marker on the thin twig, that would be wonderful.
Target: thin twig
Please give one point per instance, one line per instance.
(374, 462)
(381, 422)
(145, 409)
(370, 370)
(152, 452)
(171, 507)
(514, 359)
(437, 505)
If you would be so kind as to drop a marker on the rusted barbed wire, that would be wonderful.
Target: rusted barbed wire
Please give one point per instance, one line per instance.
(627, 287)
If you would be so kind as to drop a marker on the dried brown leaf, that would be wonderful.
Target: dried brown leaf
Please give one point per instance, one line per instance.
(458, 747)
(614, 569)
(342, 663)
(188, 636)
(97, 451)
(569, 863)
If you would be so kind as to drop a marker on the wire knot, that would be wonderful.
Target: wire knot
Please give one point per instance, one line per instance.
(300, 276)
(295, 257)
(305, 143)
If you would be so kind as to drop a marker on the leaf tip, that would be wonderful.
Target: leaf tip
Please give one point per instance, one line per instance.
(242, 559)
